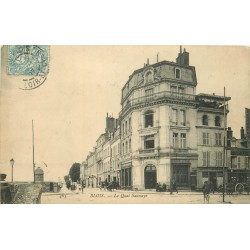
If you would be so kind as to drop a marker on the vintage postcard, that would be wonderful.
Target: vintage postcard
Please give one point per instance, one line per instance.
(125, 124)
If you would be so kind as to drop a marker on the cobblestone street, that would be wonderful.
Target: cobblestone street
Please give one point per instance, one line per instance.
(97, 196)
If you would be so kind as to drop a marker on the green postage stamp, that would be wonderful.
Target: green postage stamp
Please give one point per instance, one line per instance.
(29, 61)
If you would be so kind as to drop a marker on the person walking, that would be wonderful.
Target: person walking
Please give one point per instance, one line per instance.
(82, 186)
(206, 191)
(174, 187)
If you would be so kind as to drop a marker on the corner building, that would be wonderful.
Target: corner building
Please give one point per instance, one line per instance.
(163, 127)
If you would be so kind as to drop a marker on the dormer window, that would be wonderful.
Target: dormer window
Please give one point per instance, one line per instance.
(204, 120)
(148, 77)
(177, 73)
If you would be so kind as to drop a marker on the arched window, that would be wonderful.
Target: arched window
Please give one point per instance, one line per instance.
(217, 121)
(149, 119)
(126, 147)
(148, 77)
(204, 120)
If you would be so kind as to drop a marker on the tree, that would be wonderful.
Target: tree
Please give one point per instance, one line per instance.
(74, 172)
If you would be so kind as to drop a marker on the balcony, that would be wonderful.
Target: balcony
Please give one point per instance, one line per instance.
(158, 97)
(180, 150)
(149, 151)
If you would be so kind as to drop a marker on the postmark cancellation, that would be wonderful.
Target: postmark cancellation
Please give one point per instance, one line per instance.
(29, 61)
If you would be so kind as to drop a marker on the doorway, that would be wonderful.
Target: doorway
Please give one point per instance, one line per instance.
(150, 176)
(213, 179)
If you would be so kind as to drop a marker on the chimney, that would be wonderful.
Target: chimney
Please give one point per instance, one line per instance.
(242, 134)
(183, 57)
(147, 61)
(110, 124)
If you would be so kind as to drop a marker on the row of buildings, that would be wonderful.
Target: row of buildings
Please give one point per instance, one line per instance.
(166, 132)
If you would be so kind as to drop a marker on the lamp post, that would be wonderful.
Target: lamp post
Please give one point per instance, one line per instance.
(12, 164)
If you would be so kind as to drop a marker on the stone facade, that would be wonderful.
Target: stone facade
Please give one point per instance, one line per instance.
(165, 132)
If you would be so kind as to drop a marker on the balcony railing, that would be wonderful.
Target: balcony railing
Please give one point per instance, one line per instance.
(159, 96)
(149, 151)
(180, 150)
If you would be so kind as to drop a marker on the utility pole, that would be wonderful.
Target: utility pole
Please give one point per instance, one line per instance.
(170, 154)
(33, 150)
(224, 145)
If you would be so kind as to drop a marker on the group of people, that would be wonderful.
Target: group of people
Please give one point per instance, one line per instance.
(109, 185)
(163, 187)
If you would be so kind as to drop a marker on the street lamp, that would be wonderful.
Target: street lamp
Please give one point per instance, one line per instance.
(12, 164)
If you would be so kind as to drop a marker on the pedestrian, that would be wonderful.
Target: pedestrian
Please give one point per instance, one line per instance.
(174, 187)
(206, 190)
(82, 186)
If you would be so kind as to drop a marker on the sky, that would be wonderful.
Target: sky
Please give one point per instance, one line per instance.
(83, 85)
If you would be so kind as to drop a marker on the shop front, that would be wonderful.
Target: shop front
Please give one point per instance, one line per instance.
(213, 175)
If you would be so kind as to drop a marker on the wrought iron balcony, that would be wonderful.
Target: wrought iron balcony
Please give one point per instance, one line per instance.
(159, 96)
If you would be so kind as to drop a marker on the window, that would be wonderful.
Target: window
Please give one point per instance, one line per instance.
(123, 148)
(149, 142)
(218, 139)
(148, 77)
(129, 145)
(175, 140)
(126, 127)
(123, 130)
(234, 162)
(205, 159)
(149, 119)
(205, 137)
(218, 159)
(183, 117)
(183, 140)
(175, 116)
(177, 73)
(247, 162)
(126, 147)
(238, 162)
(129, 123)
(149, 93)
(217, 121)
(204, 120)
